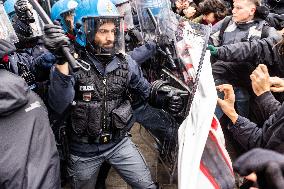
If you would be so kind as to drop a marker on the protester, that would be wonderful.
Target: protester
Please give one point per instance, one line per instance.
(212, 11)
(248, 134)
(191, 12)
(180, 5)
(266, 51)
(242, 26)
(29, 158)
(32, 60)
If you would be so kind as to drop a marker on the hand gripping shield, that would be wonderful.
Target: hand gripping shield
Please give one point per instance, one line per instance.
(188, 48)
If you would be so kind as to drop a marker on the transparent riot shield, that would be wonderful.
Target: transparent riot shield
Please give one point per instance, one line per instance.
(125, 10)
(187, 45)
(37, 26)
(147, 27)
(6, 29)
(190, 41)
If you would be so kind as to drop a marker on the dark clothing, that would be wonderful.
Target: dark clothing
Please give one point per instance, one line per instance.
(34, 64)
(158, 122)
(62, 93)
(36, 49)
(266, 164)
(265, 51)
(35, 71)
(276, 20)
(43, 60)
(238, 74)
(274, 6)
(228, 32)
(143, 53)
(63, 84)
(29, 158)
(270, 134)
(241, 32)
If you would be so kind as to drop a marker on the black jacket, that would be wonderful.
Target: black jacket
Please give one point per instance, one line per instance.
(234, 33)
(29, 158)
(269, 135)
(262, 51)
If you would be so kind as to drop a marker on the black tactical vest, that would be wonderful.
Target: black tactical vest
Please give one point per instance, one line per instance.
(96, 98)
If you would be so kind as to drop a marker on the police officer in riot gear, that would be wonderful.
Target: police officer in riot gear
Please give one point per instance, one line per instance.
(63, 11)
(29, 158)
(100, 114)
(32, 60)
(27, 24)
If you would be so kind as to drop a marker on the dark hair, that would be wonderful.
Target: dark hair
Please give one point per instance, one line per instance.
(255, 2)
(280, 46)
(214, 6)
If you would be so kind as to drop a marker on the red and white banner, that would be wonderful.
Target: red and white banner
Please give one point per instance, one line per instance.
(203, 160)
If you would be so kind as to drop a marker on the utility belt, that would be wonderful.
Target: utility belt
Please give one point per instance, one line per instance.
(103, 138)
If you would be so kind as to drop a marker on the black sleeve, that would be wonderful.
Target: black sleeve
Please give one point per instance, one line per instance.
(275, 20)
(250, 135)
(267, 104)
(263, 50)
(61, 91)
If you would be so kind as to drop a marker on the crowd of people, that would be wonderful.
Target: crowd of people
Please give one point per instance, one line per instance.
(62, 124)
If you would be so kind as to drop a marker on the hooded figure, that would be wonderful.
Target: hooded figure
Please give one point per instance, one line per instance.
(29, 158)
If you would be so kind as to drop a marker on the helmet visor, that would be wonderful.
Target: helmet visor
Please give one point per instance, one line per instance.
(125, 10)
(7, 31)
(68, 21)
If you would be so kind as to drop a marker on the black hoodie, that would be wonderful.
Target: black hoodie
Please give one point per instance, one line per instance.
(28, 155)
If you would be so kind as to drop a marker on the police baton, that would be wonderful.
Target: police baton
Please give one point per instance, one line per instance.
(45, 18)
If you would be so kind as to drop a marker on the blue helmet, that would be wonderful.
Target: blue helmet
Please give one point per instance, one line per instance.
(90, 15)
(9, 8)
(60, 10)
(118, 2)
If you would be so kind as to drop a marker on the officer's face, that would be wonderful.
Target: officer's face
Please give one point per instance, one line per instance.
(105, 36)
(69, 20)
(243, 11)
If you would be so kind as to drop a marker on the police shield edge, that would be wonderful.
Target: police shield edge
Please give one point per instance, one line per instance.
(186, 60)
(6, 29)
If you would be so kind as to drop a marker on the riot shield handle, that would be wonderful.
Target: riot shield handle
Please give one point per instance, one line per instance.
(45, 18)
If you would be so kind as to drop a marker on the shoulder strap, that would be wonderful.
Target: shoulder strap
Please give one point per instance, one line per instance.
(264, 27)
(223, 27)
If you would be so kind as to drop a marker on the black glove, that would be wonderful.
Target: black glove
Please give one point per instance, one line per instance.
(175, 104)
(166, 97)
(6, 48)
(268, 166)
(54, 38)
(24, 12)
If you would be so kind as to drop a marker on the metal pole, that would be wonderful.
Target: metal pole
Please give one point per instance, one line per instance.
(45, 18)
